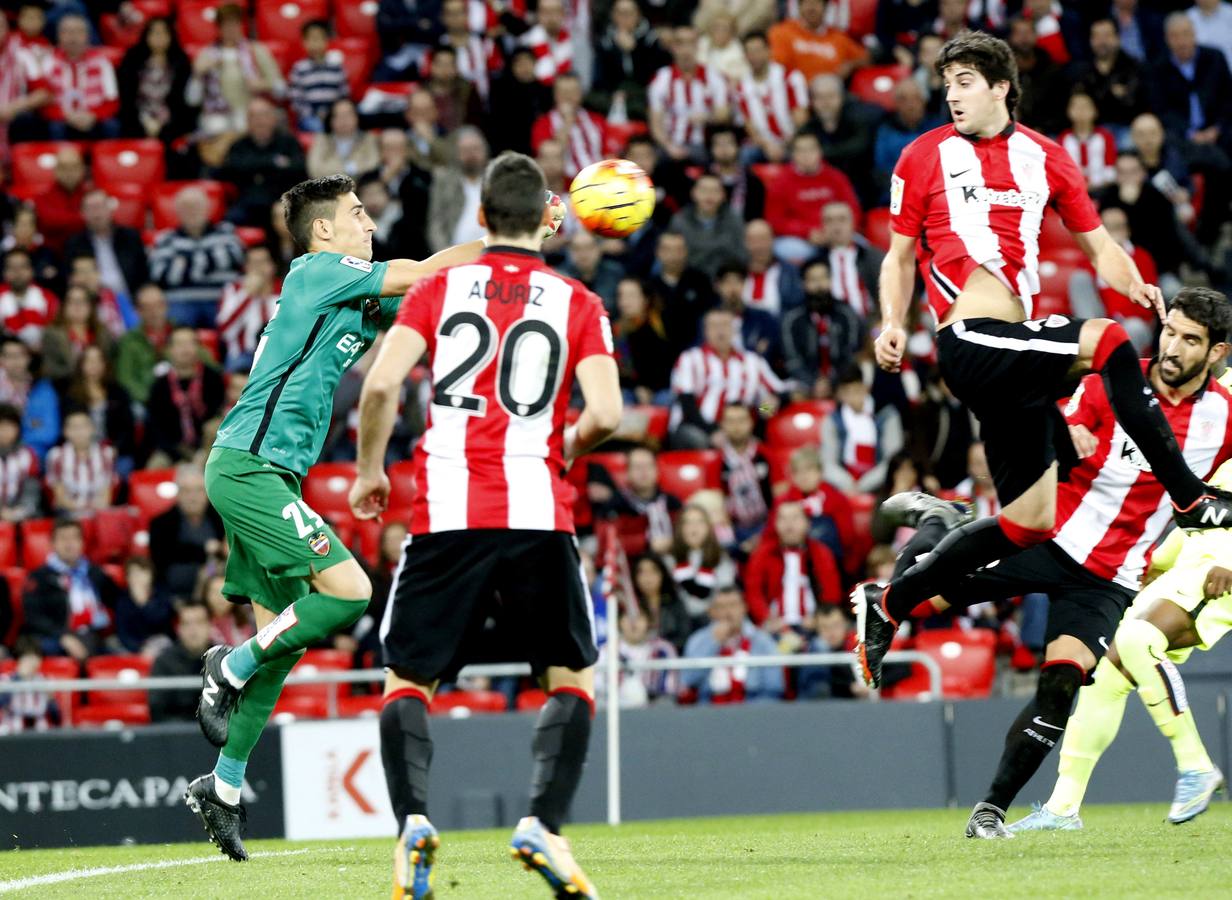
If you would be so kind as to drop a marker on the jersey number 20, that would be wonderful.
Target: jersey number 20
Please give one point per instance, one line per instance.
(512, 351)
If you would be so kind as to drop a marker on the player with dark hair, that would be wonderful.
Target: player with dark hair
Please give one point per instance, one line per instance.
(492, 515)
(967, 200)
(302, 581)
(1110, 513)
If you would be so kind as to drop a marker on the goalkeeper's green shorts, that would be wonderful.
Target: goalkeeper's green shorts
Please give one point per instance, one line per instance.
(1184, 587)
(276, 540)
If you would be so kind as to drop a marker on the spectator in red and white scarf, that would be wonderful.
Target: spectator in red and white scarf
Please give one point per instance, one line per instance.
(640, 498)
(85, 100)
(479, 57)
(699, 565)
(185, 395)
(770, 285)
(81, 476)
(829, 511)
(730, 634)
(684, 98)
(855, 264)
(69, 602)
(639, 642)
(746, 472)
(20, 90)
(550, 41)
(115, 311)
(856, 440)
(25, 307)
(20, 489)
(790, 574)
(580, 131)
(1091, 146)
(246, 306)
(745, 192)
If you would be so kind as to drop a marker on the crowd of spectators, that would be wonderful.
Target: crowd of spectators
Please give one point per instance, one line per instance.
(770, 129)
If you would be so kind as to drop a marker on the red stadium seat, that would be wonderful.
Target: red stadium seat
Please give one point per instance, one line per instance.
(1054, 235)
(615, 464)
(128, 161)
(116, 33)
(617, 136)
(798, 424)
(654, 417)
(130, 203)
(875, 84)
(110, 534)
(120, 666)
(34, 162)
(352, 19)
(401, 484)
(195, 21)
(35, 542)
(116, 573)
(531, 699)
(208, 338)
(365, 538)
(154, 9)
(967, 660)
(152, 491)
(357, 58)
(283, 20)
(249, 235)
(326, 489)
(8, 545)
(474, 701)
(1053, 297)
(15, 580)
(300, 707)
(683, 473)
(163, 200)
(316, 661)
(284, 53)
(108, 713)
(877, 227)
(779, 459)
(365, 705)
(863, 18)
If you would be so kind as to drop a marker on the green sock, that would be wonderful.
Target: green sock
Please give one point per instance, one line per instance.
(1090, 730)
(254, 706)
(302, 624)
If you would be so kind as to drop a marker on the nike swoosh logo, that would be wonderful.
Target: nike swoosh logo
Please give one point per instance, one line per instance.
(1103, 642)
(1038, 721)
(956, 174)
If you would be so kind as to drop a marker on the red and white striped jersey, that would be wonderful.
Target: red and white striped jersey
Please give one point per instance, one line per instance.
(743, 377)
(761, 290)
(678, 97)
(82, 473)
(766, 105)
(240, 319)
(506, 334)
(846, 283)
(583, 144)
(553, 53)
(16, 467)
(477, 59)
(28, 313)
(87, 84)
(1113, 509)
(1095, 155)
(980, 202)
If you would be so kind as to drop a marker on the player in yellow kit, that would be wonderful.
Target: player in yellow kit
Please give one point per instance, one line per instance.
(1187, 605)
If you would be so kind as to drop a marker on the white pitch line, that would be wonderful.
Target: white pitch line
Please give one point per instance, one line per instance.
(18, 884)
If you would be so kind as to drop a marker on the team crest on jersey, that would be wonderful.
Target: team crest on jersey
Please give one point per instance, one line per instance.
(896, 195)
(319, 543)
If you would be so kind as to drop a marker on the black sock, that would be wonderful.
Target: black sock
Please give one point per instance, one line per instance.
(562, 736)
(960, 553)
(1035, 732)
(932, 531)
(1137, 409)
(406, 753)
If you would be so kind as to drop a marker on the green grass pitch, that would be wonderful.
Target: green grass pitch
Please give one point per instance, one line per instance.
(1126, 851)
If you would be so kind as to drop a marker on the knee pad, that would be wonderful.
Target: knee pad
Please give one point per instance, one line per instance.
(1022, 536)
(1114, 335)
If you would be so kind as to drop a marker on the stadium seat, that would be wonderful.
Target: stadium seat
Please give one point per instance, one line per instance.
(617, 136)
(15, 580)
(877, 227)
(109, 534)
(163, 200)
(250, 235)
(128, 161)
(120, 666)
(195, 21)
(798, 424)
(863, 21)
(116, 573)
(967, 659)
(365, 705)
(875, 84)
(35, 542)
(531, 699)
(648, 419)
(300, 707)
(116, 33)
(318, 661)
(401, 484)
(284, 53)
(8, 545)
(283, 20)
(363, 536)
(683, 473)
(1054, 235)
(154, 9)
(209, 341)
(1053, 298)
(109, 713)
(357, 58)
(130, 205)
(152, 491)
(779, 459)
(326, 489)
(614, 463)
(34, 162)
(62, 667)
(474, 701)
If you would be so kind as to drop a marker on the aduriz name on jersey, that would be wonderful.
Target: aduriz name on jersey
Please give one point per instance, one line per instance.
(507, 292)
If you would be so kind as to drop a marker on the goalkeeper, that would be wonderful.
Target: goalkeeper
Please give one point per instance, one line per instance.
(1187, 605)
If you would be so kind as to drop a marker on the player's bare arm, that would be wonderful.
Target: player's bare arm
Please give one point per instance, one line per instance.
(600, 383)
(402, 273)
(378, 407)
(1116, 267)
(897, 282)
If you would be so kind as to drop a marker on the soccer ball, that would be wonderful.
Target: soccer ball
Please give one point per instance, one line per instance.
(612, 198)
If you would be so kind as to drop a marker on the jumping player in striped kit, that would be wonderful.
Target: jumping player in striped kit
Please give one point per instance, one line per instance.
(492, 514)
(967, 201)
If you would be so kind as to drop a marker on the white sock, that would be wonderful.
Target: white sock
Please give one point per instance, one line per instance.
(226, 793)
(234, 680)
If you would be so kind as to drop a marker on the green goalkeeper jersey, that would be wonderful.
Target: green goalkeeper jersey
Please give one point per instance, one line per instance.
(328, 314)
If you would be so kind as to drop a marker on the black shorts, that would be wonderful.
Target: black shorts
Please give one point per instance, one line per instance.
(1081, 605)
(448, 584)
(1011, 374)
